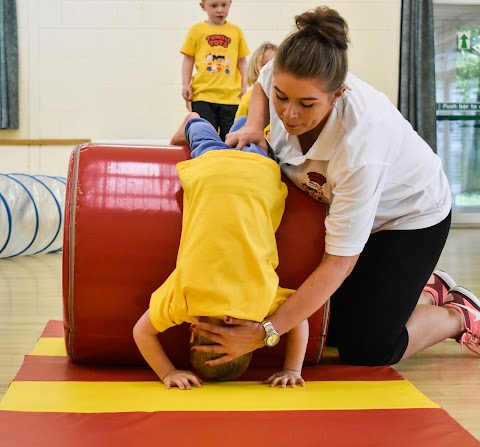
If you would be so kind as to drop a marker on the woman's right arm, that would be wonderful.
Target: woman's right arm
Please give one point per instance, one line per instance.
(258, 118)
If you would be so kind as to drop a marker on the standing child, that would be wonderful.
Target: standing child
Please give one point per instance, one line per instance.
(218, 51)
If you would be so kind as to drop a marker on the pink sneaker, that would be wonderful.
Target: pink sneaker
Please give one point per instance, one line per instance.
(442, 283)
(468, 305)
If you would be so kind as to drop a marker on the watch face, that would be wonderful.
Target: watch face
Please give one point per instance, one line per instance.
(272, 340)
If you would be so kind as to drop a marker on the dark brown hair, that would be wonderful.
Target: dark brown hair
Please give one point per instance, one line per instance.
(317, 48)
(225, 371)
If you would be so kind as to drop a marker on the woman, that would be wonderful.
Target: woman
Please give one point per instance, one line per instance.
(389, 206)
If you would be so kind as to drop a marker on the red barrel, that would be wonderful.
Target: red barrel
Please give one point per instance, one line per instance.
(123, 218)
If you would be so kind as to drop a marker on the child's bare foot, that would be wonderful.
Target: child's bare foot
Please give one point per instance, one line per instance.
(178, 138)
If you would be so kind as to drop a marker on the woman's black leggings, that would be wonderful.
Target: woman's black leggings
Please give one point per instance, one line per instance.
(369, 311)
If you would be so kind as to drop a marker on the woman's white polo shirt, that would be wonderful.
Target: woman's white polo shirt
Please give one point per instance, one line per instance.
(368, 165)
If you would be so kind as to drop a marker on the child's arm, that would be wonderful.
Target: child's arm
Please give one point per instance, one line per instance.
(292, 367)
(145, 336)
(187, 70)
(242, 68)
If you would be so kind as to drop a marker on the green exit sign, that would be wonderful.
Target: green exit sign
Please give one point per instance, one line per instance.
(464, 40)
(462, 106)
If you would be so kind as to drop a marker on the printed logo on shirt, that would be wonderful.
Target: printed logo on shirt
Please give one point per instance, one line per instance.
(218, 40)
(314, 186)
(217, 63)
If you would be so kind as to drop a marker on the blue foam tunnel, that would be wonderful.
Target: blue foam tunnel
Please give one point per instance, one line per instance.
(31, 214)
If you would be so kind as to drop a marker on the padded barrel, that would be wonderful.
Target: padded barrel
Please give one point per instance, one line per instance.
(122, 230)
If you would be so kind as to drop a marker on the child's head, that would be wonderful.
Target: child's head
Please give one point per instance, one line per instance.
(226, 371)
(260, 57)
(217, 10)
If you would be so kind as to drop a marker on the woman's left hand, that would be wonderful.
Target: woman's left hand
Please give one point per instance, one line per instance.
(237, 338)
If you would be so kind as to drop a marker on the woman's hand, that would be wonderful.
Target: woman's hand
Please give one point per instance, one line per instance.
(245, 136)
(237, 338)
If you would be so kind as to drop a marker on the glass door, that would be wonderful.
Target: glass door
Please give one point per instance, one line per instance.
(457, 66)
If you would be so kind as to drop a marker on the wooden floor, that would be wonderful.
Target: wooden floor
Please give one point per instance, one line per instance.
(30, 295)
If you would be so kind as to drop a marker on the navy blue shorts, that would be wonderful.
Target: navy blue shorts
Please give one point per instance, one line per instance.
(221, 116)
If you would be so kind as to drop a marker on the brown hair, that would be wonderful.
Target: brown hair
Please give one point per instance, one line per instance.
(255, 59)
(225, 371)
(317, 49)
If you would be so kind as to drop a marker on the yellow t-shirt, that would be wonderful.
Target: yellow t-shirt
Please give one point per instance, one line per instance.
(233, 204)
(216, 50)
(244, 104)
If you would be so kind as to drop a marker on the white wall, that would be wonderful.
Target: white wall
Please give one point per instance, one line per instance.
(36, 160)
(110, 69)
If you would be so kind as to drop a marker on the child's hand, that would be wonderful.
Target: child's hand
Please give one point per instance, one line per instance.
(187, 93)
(286, 377)
(182, 379)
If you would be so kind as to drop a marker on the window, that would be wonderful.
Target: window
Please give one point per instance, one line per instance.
(457, 64)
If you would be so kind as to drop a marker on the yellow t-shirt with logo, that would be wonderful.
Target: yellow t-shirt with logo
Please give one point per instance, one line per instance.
(216, 50)
(233, 204)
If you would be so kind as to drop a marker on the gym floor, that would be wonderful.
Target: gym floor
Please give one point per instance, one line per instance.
(30, 295)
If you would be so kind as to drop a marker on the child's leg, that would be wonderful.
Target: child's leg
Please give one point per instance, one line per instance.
(237, 125)
(202, 137)
(197, 133)
(178, 138)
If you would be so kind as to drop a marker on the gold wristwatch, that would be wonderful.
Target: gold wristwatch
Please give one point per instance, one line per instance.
(272, 337)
